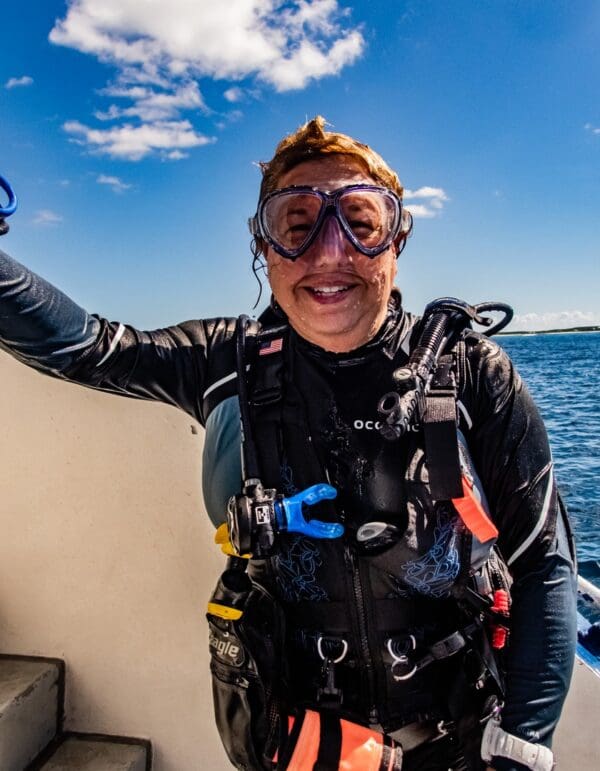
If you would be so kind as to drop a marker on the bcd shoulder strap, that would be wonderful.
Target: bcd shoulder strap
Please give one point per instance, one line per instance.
(267, 366)
(440, 431)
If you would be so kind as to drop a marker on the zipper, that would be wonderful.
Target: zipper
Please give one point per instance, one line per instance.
(351, 563)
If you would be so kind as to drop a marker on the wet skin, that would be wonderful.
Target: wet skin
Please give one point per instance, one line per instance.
(333, 295)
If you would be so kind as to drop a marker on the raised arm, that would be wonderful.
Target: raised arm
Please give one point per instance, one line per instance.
(47, 330)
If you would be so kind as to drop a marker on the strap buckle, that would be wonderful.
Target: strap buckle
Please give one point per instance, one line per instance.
(328, 692)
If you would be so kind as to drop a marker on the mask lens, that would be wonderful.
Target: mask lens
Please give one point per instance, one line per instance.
(290, 217)
(371, 215)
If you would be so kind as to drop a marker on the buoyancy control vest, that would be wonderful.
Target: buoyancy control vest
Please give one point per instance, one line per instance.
(385, 624)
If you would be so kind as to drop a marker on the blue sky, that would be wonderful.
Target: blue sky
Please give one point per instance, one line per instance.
(131, 132)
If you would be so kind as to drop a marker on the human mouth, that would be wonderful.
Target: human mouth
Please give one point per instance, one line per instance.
(330, 294)
(329, 290)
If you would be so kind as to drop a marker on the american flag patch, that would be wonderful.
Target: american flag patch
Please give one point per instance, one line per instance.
(273, 346)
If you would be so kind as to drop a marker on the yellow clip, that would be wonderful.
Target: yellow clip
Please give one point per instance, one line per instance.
(222, 539)
(224, 611)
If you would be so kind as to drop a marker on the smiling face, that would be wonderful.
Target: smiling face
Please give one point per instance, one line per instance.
(333, 295)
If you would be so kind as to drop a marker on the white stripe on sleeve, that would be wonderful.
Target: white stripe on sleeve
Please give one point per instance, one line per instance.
(113, 345)
(539, 524)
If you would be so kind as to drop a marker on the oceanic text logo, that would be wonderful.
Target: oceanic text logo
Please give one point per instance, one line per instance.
(367, 425)
(374, 425)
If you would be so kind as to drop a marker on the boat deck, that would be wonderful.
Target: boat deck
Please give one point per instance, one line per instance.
(577, 737)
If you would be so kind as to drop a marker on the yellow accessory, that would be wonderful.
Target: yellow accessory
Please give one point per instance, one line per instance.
(222, 538)
(224, 611)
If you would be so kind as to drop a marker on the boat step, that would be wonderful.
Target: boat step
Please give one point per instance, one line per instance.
(84, 752)
(31, 697)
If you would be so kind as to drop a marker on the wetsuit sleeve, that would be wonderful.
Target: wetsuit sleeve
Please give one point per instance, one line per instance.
(47, 330)
(510, 448)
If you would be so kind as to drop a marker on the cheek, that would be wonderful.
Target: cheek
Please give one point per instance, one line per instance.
(281, 274)
(382, 275)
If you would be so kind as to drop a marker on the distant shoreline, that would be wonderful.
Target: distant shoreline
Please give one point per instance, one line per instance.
(554, 331)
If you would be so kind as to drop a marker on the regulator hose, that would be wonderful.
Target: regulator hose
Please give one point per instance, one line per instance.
(442, 321)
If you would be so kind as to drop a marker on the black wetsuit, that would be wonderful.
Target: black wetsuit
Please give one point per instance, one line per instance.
(192, 366)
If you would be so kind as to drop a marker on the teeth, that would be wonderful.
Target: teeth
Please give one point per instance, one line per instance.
(329, 289)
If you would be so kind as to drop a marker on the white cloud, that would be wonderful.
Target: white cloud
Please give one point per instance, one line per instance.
(420, 211)
(176, 155)
(160, 51)
(308, 62)
(117, 185)
(134, 142)
(16, 82)
(427, 192)
(234, 94)
(592, 129)
(46, 217)
(531, 322)
(435, 198)
(152, 105)
(233, 40)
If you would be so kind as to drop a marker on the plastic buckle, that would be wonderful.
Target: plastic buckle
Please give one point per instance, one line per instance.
(329, 692)
(448, 646)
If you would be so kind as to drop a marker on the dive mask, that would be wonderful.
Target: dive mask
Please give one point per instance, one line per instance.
(291, 218)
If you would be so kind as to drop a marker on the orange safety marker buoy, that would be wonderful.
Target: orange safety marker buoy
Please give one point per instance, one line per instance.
(360, 748)
(473, 514)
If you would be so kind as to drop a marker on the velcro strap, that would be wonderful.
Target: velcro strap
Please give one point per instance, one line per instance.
(441, 446)
(496, 742)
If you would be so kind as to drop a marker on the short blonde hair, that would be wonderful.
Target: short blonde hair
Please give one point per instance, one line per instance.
(311, 141)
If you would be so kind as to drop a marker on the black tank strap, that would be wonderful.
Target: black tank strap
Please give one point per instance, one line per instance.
(439, 428)
(330, 744)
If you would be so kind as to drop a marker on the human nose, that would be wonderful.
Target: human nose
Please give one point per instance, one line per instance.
(330, 245)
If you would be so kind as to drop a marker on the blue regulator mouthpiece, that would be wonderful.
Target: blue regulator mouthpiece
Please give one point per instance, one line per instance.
(258, 515)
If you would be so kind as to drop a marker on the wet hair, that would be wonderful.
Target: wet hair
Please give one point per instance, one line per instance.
(311, 141)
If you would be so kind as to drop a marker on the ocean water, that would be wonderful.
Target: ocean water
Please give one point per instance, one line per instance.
(562, 372)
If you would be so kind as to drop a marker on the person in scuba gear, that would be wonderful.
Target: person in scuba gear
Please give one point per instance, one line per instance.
(378, 611)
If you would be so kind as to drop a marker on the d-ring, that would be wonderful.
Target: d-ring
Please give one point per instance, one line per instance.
(341, 657)
(395, 656)
(402, 660)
